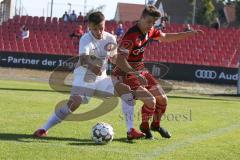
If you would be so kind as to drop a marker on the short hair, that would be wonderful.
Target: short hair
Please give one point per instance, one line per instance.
(96, 17)
(152, 11)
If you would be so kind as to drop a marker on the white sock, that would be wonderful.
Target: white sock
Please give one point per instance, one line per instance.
(57, 117)
(128, 109)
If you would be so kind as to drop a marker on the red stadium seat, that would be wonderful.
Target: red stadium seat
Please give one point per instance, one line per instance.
(51, 36)
(48, 20)
(55, 20)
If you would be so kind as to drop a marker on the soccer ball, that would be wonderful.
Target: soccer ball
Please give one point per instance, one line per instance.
(102, 133)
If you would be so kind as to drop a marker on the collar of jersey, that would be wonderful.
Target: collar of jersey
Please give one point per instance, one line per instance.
(94, 37)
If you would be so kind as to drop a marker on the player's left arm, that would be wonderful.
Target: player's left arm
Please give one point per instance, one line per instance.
(113, 54)
(112, 49)
(171, 37)
(113, 59)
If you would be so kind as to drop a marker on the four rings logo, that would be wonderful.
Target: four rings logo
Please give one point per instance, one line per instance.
(205, 74)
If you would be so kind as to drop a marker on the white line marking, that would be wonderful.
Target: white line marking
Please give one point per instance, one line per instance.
(173, 147)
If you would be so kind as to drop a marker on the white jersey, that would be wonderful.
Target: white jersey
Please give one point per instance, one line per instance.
(89, 45)
(92, 46)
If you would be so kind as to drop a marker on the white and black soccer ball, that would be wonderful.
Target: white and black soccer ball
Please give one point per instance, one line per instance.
(102, 133)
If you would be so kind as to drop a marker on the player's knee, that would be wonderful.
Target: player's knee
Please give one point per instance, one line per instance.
(151, 102)
(162, 100)
(74, 102)
(122, 88)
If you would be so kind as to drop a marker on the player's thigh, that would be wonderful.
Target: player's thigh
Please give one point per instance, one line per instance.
(81, 91)
(158, 92)
(132, 81)
(121, 88)
(145, 96)
(81, 95)
(155, 88)
(151, 80)
(105, 87)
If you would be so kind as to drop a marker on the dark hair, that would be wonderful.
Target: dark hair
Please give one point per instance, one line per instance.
(24, 28)
(152, 11)
(96, 17)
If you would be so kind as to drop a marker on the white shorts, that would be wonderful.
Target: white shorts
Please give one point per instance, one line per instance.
(103, 85)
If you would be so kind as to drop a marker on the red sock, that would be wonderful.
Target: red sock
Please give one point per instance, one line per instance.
(147, 113)
(158, 113)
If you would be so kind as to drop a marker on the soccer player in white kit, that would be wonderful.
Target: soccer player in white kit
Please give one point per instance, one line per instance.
(90, 76)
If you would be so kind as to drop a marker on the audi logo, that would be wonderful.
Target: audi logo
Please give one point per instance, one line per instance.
(205, 74)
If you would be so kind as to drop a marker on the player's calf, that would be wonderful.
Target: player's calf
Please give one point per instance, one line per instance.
(160, 109)
(61, 112)
(145, 96)
(74, 102)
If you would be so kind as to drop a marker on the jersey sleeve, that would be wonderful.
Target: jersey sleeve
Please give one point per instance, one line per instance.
(84, 45)
(156, 34)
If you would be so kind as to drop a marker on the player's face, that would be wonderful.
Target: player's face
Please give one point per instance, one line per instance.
(148, 22)
(97, 29)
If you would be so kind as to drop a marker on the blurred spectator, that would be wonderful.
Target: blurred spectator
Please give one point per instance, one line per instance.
(78, 32)
(24, 33)
(80, 14)
(65, 17)
(165, 18)
(187, 28)
(80, 17)
(119, 31)
(160, 25)
(216, 24)
(73, 17)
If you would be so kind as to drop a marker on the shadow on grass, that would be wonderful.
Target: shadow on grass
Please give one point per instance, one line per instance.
(211, 98)
(23, 137)
(226, 95)
(26, 138)
(27, 90)
(220, 97)
(83, 142)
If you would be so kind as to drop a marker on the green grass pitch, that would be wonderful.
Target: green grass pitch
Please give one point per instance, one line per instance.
(202, 127)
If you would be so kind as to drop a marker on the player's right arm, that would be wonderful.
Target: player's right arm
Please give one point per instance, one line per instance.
(87, 61)
(171, 37)
(124, 49)
(85, 57)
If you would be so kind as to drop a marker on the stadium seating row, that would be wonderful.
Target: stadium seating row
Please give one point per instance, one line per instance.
(51, 36)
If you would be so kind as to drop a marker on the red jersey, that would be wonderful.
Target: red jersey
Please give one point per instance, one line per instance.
(132, 46)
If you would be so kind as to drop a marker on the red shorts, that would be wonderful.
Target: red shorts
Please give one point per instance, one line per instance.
(133, 82)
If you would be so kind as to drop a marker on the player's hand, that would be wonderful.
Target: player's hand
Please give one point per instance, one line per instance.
(92, 72)
(142, 79)
(90, 77)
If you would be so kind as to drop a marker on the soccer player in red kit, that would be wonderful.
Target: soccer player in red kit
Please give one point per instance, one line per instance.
(130, 68)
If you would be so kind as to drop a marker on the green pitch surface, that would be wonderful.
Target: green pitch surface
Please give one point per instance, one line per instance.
(202, 127)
